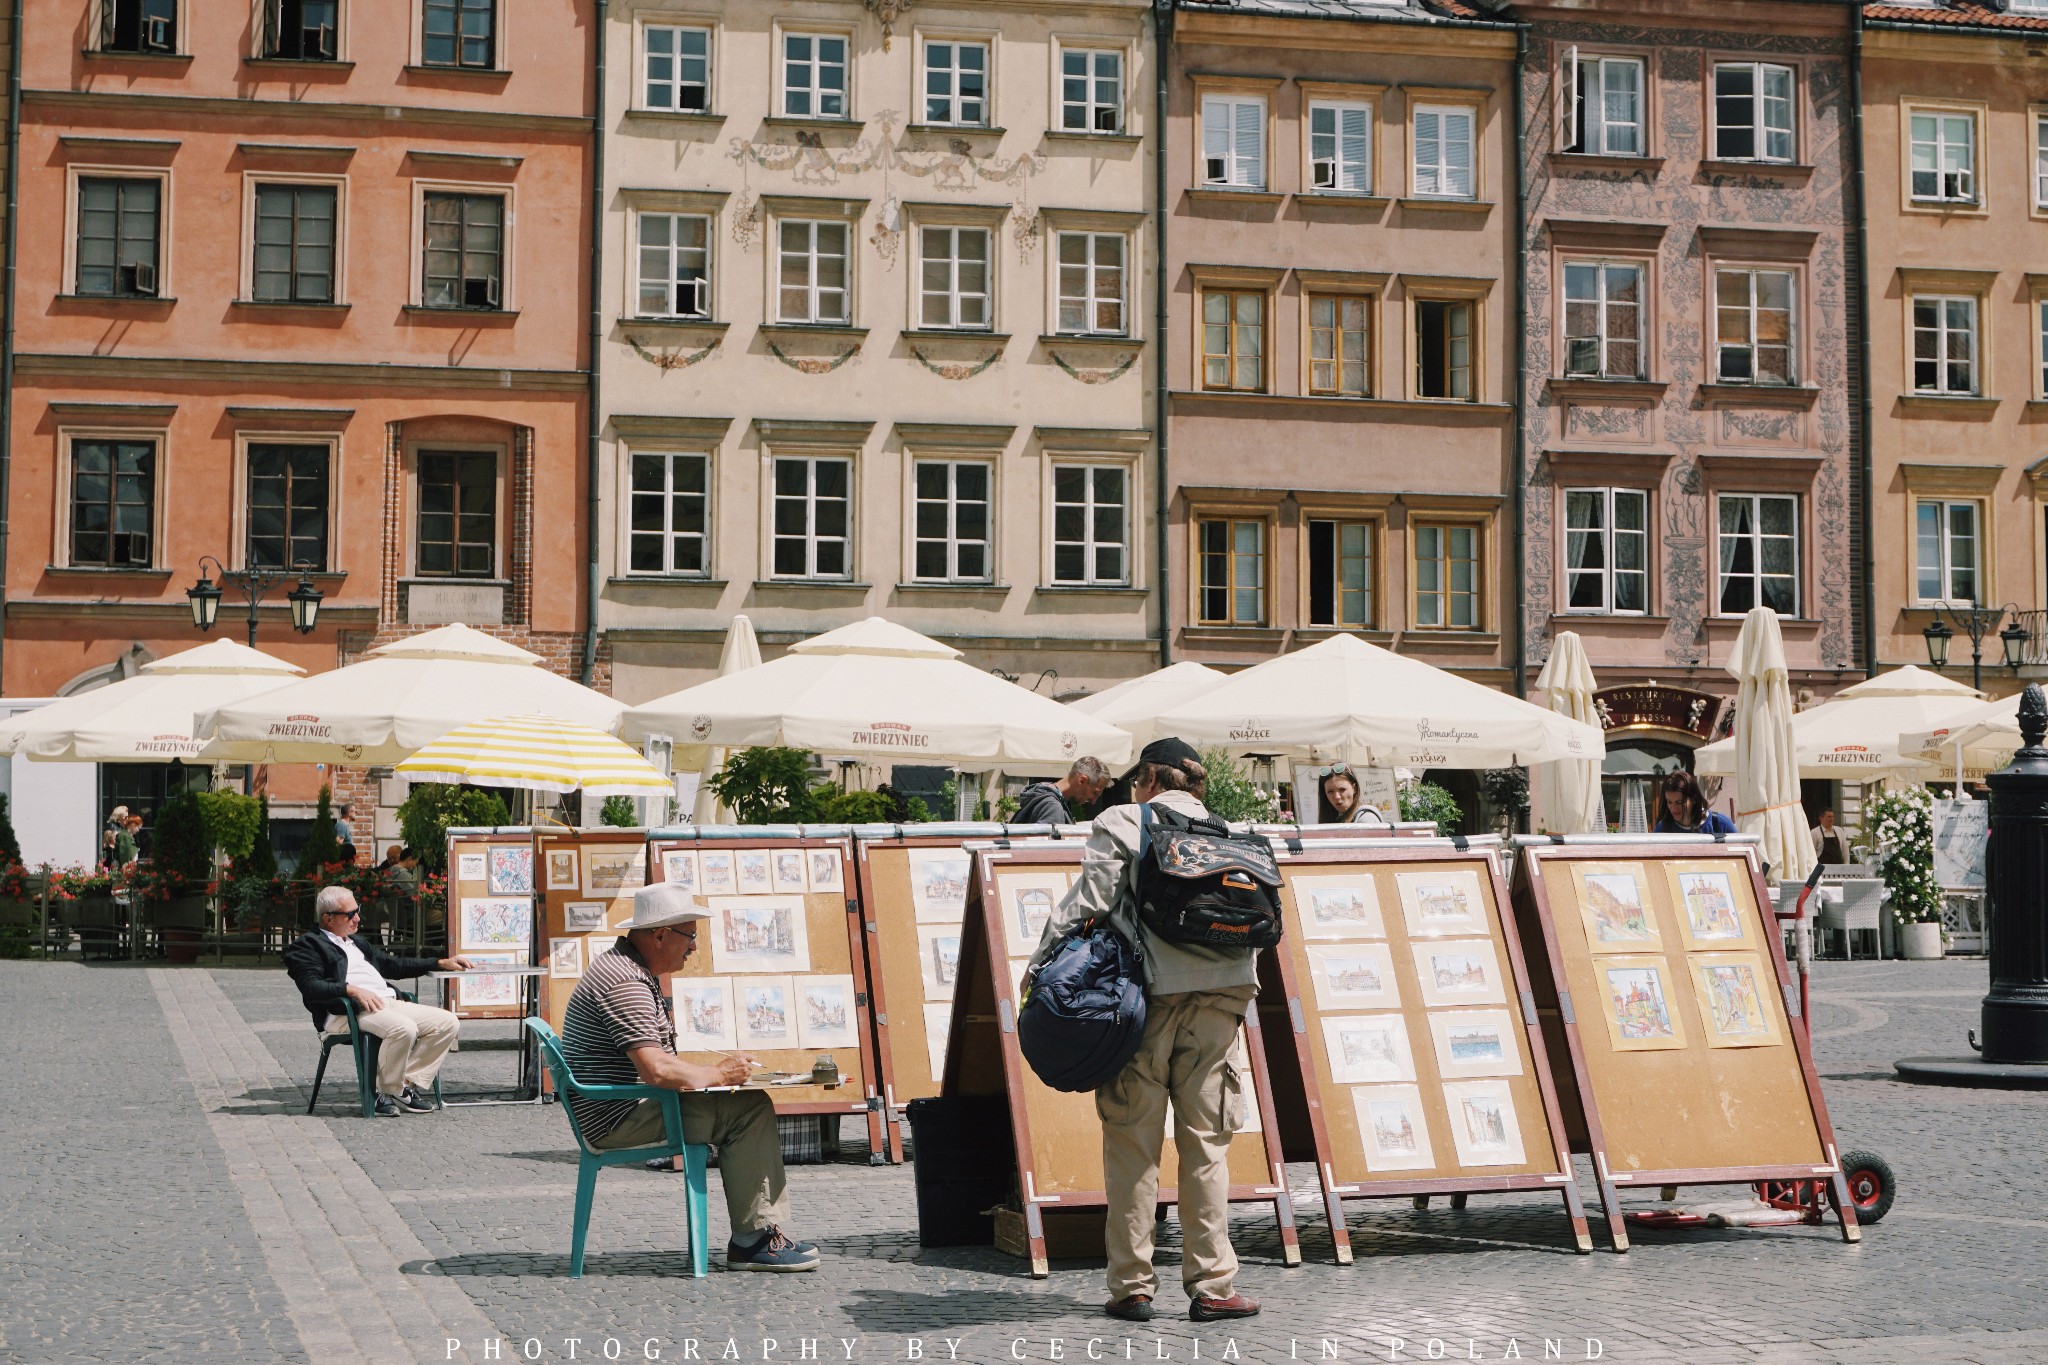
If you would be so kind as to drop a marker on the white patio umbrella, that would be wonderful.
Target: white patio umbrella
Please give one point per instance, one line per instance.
(146, 718)
(1969, 743)
(401, 698)
(1135, 703)
(1854, 736)
(877, 690)
(742, 651)
(1568, 799)
(1345, 699)
(1766, 768)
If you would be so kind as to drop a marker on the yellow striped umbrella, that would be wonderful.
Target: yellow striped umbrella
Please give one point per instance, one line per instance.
(537, 753)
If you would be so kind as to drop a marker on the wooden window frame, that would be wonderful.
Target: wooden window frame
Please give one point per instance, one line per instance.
(1266, 521)
(1374, 520)
(1481, 528)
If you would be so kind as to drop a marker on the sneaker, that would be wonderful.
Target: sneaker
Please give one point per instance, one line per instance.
(1132, 1308)
(387, 1107)
(1202, 1308)
(771, 1251)
(412, 1098)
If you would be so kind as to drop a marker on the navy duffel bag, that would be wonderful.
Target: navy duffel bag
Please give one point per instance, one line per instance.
(1084, 1010)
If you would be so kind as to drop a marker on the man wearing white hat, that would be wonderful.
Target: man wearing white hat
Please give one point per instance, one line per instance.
(618, 1031)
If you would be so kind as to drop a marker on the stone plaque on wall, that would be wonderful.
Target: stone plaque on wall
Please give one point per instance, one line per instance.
(1629, 423)
(1762, 427)
(445, 604)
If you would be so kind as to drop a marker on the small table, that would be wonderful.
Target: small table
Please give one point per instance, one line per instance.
(528, 1090)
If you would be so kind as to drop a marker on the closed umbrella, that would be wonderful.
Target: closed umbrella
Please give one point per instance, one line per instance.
(146, 718)
(1568, 798)
(1766, 761)
(1854, 736)
(742, 651)
(1135, 704)
(537, 753)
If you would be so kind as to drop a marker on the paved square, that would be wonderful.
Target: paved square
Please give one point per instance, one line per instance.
(167, 1198)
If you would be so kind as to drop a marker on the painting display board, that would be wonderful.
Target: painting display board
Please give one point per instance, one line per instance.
(1676, 1041)
(1058, 1135)
(780, 972)
(585, 879)
(1962, 836)
(491, 917)
(1400, 1034)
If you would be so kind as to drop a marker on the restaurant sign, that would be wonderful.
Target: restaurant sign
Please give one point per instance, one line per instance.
(1655, 706)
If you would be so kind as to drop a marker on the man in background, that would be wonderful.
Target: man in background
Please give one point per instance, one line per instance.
(1054, 803)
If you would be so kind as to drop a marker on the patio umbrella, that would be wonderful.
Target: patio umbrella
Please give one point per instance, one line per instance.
(1969, 743)
(1854, 735)
(1766, 768)
(1135, 704)
(1345, 699)
(1568, 799)
(540, 754)
(402, 697)
(741, 651)
(877, 690)
(146, 718)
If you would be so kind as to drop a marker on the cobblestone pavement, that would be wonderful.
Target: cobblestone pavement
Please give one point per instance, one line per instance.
(184, 1205)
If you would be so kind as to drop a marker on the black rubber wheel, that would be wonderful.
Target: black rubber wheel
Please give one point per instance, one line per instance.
(1872, 1186)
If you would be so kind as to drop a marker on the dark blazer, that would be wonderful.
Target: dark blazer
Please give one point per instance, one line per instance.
(320, 970)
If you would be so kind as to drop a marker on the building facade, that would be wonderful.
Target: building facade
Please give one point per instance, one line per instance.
(878, 334)
(1340, 298)
(1692, 442)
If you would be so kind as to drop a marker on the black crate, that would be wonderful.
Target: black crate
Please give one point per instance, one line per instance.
(966, 1164)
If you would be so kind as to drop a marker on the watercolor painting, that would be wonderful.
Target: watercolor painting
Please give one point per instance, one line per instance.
(938, 1025)
(704, 1014)
(786, 871)
(583, 917)
(511, 872)
(1611, 902)
(1392, 1128)
(1710, 912)
(1442, 903)
(1639, 1016)
(1353, 975)
(825, 1014)
(938, 960)
(471, 867)
(1029, 899)
(565, 957)
(756, 934)
(827, 872)
(1338, 907)
(1733, 993)
(1366, 1048)
(499, 924)
(1484, 1127)
(765, 1018)
(679, 868)
(751, 867)
(614, 869)
(562, 870)
(1475, 1043)
(597, 945)
(1459, 972)
(716, 871)
(938, 885)
(489, 992)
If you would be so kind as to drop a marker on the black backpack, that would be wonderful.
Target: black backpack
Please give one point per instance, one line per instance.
(1198, 883)
(1084, 1009)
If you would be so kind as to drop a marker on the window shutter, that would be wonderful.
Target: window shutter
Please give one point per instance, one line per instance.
(1249, 142)
(1351, 133)
(1428, 154)
(1457, 138)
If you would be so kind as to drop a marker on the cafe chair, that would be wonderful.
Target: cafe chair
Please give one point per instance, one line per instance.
(694, 1155)
(365, 1048)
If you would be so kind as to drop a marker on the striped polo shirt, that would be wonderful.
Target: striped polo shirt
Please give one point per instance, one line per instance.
(617, 1006)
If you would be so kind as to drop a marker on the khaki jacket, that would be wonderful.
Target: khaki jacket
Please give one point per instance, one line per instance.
(1102, 891)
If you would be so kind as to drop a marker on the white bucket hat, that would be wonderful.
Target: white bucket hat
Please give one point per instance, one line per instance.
(661, 904)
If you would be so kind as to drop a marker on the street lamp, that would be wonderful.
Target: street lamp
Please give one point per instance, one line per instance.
(1975, 622)
(205, 596)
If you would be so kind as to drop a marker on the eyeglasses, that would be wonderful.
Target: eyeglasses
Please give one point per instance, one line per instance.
(1334, 770)
(346, 914)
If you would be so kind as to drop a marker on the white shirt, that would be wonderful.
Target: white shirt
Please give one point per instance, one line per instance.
(360, 972)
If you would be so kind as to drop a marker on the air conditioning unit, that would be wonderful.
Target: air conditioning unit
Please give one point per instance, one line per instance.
(156, 34)
(1323, 173)
(480, 293)
(1216, 170)
(138, 279)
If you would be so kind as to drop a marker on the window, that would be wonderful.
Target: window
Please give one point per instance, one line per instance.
(2041, 312)
(813, 507)
(951, 522)
(1092, 283)
(1753, 321)
(678, 72)
(138, 26)
(1090, 524)
(1339, 148)
(1759, 553)
(1234, 141)
(288, 493)
(1340, 574)
(1446, 576)
(1232, 574)
(1091, 91)
(1443, 152)
(813, 285)
(1945, 540)
(118, 222)
(295, 237)
(460, 33)
(1944, 345)
(1752, 112)
(954, 281)
(675, 279)
(302, 30)
(670, 506)
(1339, 345)
(113, 503)
(1944, 157)
(1443, 349)
(1234, 340)
(2041, 161)
(956, 83)
(814, 75)
(458, 514)
(465, 251)
(1607, 106)
(1603, 320)
(1606, 554)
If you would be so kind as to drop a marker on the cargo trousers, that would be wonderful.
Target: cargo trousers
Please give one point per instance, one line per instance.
(1186, 1057)
(741, 1125)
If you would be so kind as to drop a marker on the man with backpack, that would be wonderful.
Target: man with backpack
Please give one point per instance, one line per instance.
(1196, 999)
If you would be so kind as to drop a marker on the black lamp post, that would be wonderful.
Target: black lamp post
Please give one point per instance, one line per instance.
(1975, 622)
(205, 595)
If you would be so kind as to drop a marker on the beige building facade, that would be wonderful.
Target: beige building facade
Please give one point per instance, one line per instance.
(877, 333)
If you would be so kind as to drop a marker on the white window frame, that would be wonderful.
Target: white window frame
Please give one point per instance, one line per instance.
(67, 438)
(956, 302)
(1604, 336)
(1609, 532)
(672, 252)
(1750, 312)
(500, 18)
(1240, 168)
(1756, 539)
(2041, 346)
(669, 456)
(955, 113)
(1759, 105)
(1599, 128)
(1092, 107)
(814, 291)
(813, 66)
(810, 500)
(261, 29)
(1340, 168)
(1436, 179)
(1089, 544)
(1091, 271)
(252, 181)
(645, 83)
(952, 503)
(508, 298)
(2041, 158)
(244, 442)
(1948, 186)
(180, 41)
(164, 236)
(1942, 330)
(1946, 567)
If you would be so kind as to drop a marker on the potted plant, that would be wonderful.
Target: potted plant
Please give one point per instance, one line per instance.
(1899, 827)
(86, 898)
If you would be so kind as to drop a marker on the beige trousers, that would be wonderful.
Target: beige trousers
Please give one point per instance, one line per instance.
(741, 1124)
(415, 1039)
(1185, 1056)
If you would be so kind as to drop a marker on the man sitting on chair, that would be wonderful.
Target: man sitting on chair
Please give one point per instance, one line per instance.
(335, 961)
(618, 1031)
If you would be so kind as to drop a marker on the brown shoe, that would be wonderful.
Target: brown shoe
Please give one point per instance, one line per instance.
(1133, 1308)
(1202, 1308)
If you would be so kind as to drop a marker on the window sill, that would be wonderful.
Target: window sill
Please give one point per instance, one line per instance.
(126, 300)
(100, 54)
(1435, 635)
(1090, 590)
(828, 584)
(1430, 204)
(1950, 405)
(663, 580)
(1604, 161)
(1763, 395)
(1771, 170)
(1320, 400)
(982, 589)
(423, 311)
(1647, 623)
(807, 121)
(796, 329)
(434, 69)
(1802, 626)
(955, 129)
(1969, 206)
(1103, 341)
(1335, 198)
(455, 580)
(99, 571)
(288, 305)
(942, 334)
(709, 120)
(307, 64)
(1587, 386)
(1078, 137)
(1221, 194)
(677, 324)
(1219, 633)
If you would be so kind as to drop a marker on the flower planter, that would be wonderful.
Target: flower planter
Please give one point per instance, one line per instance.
(181, 912)
(1921, 941)
(17, 913)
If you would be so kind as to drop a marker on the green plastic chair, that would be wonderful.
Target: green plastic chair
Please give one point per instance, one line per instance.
(366, 1047)
(694, 1154)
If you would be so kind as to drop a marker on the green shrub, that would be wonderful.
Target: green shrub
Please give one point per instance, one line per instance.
(767, 785)
(618, 812)
(855, 808)
(1231, 794)
(262, 860)
(1428, 801)
(321, 848)
(181, 846)
(233, 821)
(431, 809)
(10, 846)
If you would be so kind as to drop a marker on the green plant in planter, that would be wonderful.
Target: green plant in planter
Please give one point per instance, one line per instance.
(233, 822)
(322, 849)
(431, 809)
(767, 784)
(617, 812)
(10, 846)
(1898, 825)
(1428, 801)
(1231, 794)
(181, 857)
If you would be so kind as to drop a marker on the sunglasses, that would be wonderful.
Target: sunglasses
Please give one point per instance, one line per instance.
(1335, 770)
(345, 914)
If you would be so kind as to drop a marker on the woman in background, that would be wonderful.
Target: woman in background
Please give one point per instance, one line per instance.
(1685, 810)
(1341, 803)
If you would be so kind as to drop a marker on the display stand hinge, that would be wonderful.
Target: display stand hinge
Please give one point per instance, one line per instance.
(1294, 1015)
(1791, 998)
(1564, 1006)
(860, 999)
(1529, 1008)
(1007, 1014)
